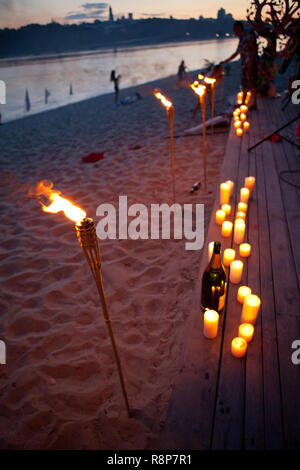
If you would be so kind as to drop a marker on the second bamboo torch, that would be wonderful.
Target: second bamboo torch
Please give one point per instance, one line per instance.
(170, 112)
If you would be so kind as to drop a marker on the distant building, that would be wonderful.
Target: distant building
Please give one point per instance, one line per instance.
(221, 14)
(130, 16)
(111, 16)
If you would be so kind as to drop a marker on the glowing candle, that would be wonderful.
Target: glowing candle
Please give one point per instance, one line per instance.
(244, 195)
(239, 132)
(237, 111)
(228, 257)
(239, 101)
(231, 183)
(242, 207)
(236, 271)
(239, 231)
(238, 347)
(226, 208)
(224, 193)
(249, 183)
(250, 309)
(246, 331)
(220, 217)
(237, 124)
(245, 250)
(226, 228)
(246, 125)
(243, 117)
(211, 323)
(244, 108)
(210, 251)
(240, 95)
(241, 215)
(242, 293)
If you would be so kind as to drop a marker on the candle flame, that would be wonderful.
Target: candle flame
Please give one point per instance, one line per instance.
(200, 76)
(198, 89)
(58, 203)
(163, 99)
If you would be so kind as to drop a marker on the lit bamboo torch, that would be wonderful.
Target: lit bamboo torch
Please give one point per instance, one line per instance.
(212, 83)
(86, 234)
(170, 112)
(200, 90)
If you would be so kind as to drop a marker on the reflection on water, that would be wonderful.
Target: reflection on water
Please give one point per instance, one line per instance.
(89, 72)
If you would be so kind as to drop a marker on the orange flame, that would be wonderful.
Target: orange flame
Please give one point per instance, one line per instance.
(59, 203)
(210, 81)
(199, 89)
(163, 99)
(200, 76)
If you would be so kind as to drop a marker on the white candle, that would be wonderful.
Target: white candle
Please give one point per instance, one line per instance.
(239, 231)
(236, 271)
(210, 250)
(244, 195)
(226, 228)
(231, 184)
(224, 193)
(211, 323)
(249, 183)
(241, 215)
(242, 207)
(220, 217)
(242, 293)
(245, 250)
(246, 125)
(238, 347)
(228, 256)
(250, 309)
(246, 331)
(226, 208)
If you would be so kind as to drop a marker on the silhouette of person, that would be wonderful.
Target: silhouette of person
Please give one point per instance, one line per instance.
(247, 49)
(115, 79)
(181, 74)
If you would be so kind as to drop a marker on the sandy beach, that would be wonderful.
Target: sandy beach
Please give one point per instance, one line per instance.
(59, 388)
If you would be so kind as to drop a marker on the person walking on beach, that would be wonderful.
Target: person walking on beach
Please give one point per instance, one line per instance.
(247, 49)
(181, 74)
(115, 79)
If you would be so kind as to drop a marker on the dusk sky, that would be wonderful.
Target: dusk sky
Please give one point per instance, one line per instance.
(15, 13)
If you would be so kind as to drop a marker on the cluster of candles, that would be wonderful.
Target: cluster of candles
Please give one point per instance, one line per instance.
(251, 303)
(240, 113)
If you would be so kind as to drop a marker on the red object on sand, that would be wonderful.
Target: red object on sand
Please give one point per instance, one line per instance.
(136, 147)
(275, 138)
(93, 157)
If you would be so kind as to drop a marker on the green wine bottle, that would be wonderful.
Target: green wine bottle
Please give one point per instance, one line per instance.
(214, 282)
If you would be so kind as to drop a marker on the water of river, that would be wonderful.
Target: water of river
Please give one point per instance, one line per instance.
(89, 72)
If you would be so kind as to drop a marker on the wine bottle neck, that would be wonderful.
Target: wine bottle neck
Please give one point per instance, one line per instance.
(215, 262)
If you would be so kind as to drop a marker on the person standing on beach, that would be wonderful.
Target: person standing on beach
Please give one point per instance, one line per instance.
(181, 74)
(247, 49)
(115, 79)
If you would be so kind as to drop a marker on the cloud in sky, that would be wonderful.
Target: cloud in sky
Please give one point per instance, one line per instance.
(89, 11)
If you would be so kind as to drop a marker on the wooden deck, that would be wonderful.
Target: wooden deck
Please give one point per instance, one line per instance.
(219, 401)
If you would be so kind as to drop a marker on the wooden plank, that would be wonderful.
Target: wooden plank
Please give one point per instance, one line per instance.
(229, 414)
(270, 362)
(190, 414)
(286, 294)
(254, 399)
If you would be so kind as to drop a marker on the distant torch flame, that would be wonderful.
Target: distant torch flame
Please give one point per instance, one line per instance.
(163, 99)
(59, 203)
(199, 89)
(200, 76)
(210, 81)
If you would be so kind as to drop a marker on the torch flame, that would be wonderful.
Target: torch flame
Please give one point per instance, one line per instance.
(200, 76)
(163, 99)
(199, 89)
(210, 81)
(59, 203)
